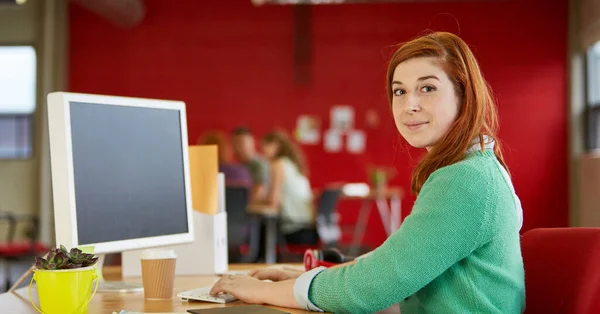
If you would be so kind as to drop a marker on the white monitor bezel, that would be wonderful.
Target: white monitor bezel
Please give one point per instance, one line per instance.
(63, 183)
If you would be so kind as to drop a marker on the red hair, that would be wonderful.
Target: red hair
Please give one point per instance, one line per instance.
(287, 148)
(477, 113)
(218, 138)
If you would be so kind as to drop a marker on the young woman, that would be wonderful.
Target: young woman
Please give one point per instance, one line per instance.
(458, 251)
(290, 193)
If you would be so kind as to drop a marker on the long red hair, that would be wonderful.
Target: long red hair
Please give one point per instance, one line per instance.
(287, 148)
(477, 114)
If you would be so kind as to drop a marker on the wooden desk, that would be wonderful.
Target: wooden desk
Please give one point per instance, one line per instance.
(108, 303)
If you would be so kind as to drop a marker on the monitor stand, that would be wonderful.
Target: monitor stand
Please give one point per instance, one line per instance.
(114, 286)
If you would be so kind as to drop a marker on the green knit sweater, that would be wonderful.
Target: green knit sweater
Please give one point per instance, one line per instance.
(457, 252)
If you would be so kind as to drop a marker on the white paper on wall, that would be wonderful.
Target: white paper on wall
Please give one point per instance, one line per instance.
(332, 141)
(308, 130)
(342, 118)
(355, 141)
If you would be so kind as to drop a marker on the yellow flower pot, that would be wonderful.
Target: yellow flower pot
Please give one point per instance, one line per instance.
(64, 291)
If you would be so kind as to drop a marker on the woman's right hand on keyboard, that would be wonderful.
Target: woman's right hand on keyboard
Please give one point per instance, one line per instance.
(274, 274)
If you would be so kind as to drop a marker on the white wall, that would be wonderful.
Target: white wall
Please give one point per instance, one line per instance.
(584, 174)
(25, 184)
(575, 109)
(18, 188)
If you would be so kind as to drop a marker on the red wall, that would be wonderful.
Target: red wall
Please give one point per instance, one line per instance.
(232, 64)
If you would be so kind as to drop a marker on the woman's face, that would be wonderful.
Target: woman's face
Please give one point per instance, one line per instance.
(270, 149)
(424, 101)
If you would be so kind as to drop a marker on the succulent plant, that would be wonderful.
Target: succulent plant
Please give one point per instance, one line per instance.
(60, 258)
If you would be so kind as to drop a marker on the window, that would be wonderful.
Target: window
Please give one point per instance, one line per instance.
(17, 101)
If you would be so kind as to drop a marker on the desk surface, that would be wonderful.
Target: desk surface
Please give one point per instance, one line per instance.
(18, 302)
(388, 193)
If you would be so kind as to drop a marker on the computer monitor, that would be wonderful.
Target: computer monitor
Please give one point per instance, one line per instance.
(120, 173)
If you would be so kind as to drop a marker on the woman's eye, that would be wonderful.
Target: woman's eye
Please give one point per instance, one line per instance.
(427, 89)
(398, 92)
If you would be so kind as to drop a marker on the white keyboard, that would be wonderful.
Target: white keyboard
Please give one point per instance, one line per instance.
(203, 294)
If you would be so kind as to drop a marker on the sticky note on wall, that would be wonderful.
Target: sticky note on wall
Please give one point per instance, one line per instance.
(204, 166)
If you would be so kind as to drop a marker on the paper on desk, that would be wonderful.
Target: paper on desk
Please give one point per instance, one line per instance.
(221, 192)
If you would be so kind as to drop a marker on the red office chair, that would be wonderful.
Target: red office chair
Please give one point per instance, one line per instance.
(562, 270)
(11, 250)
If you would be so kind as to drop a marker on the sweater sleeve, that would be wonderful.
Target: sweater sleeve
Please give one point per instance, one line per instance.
(449, 220)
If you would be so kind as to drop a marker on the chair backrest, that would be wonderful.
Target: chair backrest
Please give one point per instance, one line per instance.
(236, 201)
(562, 270)
(12, 226)
(328, 202)
(327, 220)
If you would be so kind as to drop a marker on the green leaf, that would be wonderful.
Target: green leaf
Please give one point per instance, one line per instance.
(61, 258)
(90, 262)
(51, 255)
(41, 263)
(75, 251)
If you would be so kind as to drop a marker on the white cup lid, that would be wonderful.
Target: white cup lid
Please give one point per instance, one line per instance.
(158, 254)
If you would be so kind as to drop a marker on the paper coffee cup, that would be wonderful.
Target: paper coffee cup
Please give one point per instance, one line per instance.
(158, 273)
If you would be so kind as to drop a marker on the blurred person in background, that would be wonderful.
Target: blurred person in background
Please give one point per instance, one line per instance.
(244, 149)
(234, 174)
(289, 193)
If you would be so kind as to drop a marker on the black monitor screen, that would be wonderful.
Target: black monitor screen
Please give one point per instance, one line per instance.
(129, 173)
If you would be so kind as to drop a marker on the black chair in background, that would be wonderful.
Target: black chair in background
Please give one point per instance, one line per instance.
(325, 225)
(327, 217)
(243, 229)
(19, 252)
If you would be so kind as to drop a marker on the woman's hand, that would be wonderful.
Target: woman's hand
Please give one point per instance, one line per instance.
(274, 274)
(262, 209)
(254, 291)
(243, 287)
